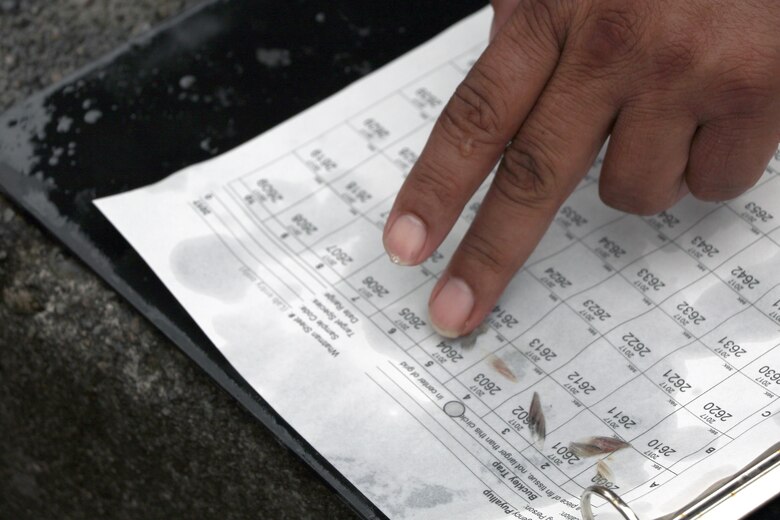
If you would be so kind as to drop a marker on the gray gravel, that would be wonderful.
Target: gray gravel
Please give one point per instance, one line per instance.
(101, 416)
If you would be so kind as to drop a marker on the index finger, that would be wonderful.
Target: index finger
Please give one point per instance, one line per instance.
(467, 140)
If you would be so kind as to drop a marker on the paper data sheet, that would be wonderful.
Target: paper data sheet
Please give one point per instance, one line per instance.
(660, 333)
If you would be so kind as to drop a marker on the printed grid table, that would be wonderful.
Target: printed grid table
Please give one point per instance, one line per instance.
(660, 330)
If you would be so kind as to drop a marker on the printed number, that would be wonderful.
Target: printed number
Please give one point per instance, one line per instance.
(758, 212)
(717, 411)
(486, 384)
(544, 352)
(689, 312)
(449, 351)
(339, 254)
(730, 347)
(677, 381)
(745, 278)
(375, 287)
(504, 317)
(596, 310)
(660, 447)
(565, 453)
(704, 248)
(635, 344)
(412, 318)
(770, 373)
(622, 419)
(573, 216)
(652, 281)
(581, 384)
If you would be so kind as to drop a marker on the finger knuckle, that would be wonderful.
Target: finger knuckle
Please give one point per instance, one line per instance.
(746, 90)
(525, 177)
(434, 187)
(547, 19)
(487, 255)
(473, 112)
(674, 56)
(612, 35)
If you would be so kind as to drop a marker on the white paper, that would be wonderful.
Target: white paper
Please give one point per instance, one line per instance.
(663, 331)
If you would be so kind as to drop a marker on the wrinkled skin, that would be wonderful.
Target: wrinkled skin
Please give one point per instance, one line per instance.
(689, 92)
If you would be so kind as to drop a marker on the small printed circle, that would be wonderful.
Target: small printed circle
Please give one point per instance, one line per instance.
(454, 409)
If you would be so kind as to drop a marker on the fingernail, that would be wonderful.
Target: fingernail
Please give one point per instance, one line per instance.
(405, 240)
(450, 309)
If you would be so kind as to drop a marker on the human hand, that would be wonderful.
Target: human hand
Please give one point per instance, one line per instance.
(688, 89)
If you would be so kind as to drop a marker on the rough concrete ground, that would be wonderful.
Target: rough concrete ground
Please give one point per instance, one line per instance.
(100, 415)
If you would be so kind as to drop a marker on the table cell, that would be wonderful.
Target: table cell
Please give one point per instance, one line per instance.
(753, 271)
(281, 184)
(717, 238)
(450, 354)
(558, 407)
(678, 436)
(634, 408)
(370, 182)
(410, 314)
(350, 248)
(430, 93)
(760, 206)
(316, 217)
(571, 271)
(766, 370)
(382, 282)
(689, 372)
(556, 338)
(524, 302)
(499, 376)
(388, 121)
(648, 338)
(558, 450)
(595, 373)
(334, 153)
(730, 402)
(743, 338)
(703, 305)
(621, 471)
(624, 241)
(609, 304)
(662, 273)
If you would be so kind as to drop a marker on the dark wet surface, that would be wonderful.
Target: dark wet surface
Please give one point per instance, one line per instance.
(201, 85)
